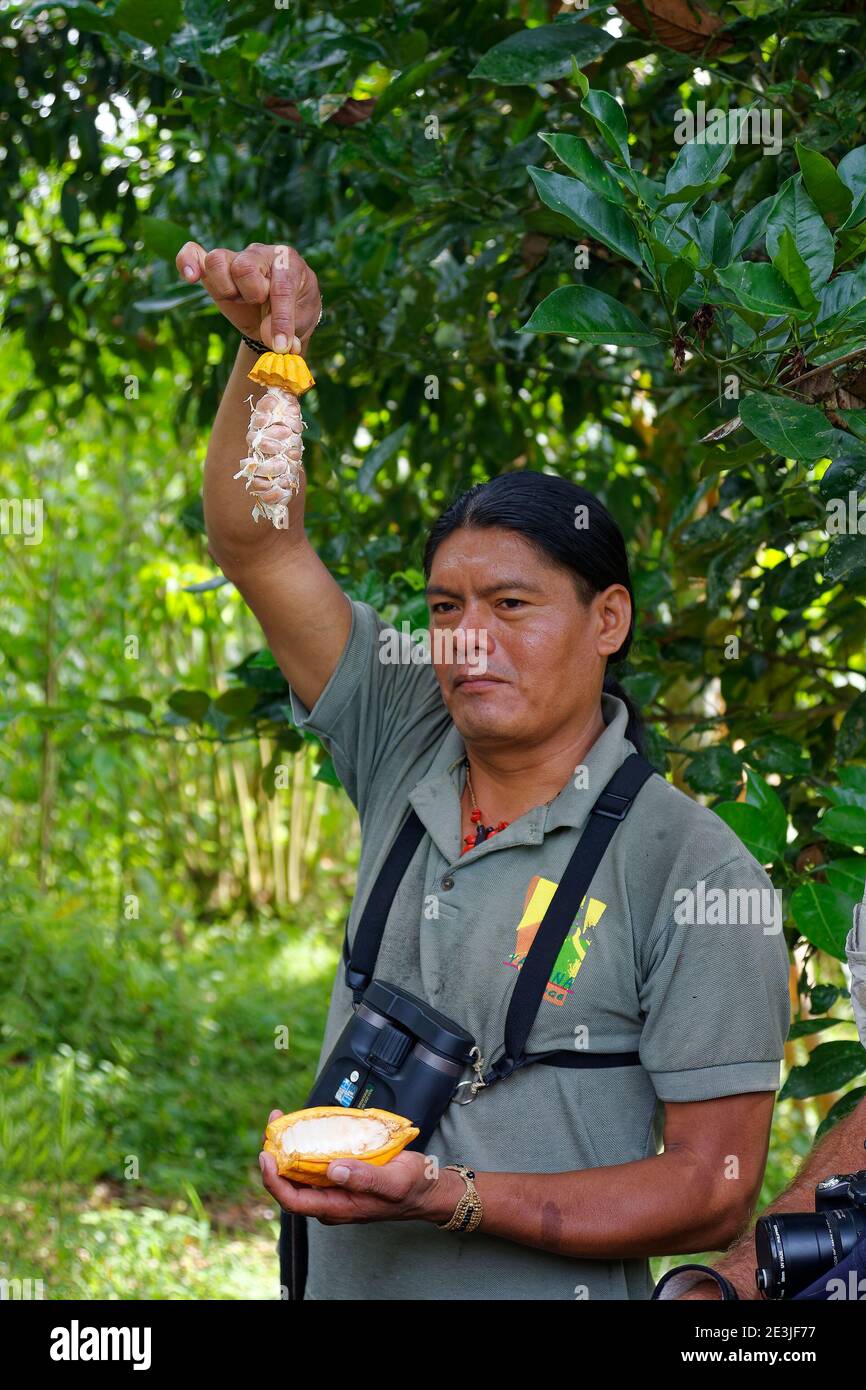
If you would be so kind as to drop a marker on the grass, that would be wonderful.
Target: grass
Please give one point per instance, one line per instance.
(135, 1090)
(91, 1245)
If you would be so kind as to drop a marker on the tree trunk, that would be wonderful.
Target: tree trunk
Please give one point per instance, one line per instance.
(48, 757)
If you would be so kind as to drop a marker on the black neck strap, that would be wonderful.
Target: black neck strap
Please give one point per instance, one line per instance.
(610, 809)
(371, 928)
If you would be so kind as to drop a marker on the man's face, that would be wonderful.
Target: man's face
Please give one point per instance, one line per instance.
(545, 651)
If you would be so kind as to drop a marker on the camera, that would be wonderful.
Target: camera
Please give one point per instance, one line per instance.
(796, 1248)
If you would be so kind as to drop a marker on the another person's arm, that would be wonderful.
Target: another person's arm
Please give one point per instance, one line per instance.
(840, 1151)
(272, 295)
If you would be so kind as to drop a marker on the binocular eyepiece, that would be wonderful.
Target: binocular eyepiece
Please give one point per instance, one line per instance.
(396, 1053)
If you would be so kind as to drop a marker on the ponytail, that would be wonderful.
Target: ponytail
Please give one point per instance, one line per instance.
(634, 729)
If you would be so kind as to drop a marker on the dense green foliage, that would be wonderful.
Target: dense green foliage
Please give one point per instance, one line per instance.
(521, 266)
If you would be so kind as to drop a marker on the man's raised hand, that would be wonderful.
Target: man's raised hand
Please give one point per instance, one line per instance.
(268, 292)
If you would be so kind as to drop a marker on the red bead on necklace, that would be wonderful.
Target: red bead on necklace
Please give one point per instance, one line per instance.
(483, 832)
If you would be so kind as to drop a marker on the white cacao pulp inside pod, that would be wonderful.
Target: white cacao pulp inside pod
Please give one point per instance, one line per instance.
(330, 1134)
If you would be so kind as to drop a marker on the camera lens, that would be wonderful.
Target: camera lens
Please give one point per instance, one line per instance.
(795, 1250)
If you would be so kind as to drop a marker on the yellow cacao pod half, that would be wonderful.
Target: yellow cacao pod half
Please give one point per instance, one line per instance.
(306, 1141)
(284, 369)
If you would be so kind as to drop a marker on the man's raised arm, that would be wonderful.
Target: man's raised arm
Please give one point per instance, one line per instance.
(272, 295)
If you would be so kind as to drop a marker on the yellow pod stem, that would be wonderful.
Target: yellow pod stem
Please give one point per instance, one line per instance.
(312, 1168)
(284, 369)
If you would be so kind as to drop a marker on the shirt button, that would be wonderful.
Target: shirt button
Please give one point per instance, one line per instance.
(447, 882)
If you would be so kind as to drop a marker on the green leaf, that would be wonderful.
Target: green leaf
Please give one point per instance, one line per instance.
(162, 237)
(641, 686)
(162, 303)
(70, 208)
(206, 586)
(826, 189)
(854, 419)
(826, 28)
(845, 560)
(404, 86)
(379, 456)
(778, 753)
(851, 790)
(843, 298)
(679, 232)
(678, 277)
(610, 121)
(590, 316)
(715, 233)
(823, 997)
(749, 823)
(697, 168)
(756, 9)
(806, 1027)
(21, 403)
(192, 704)
(852, 731)
(852, 171)
(823, 916)
(594, 216)
(327, 773)
(236, 702)
(848, 875)
(253, 45)
(790, 428)
(543, 54)
(689, 193)
(648, 191)
(84, 15)
(846, 825)
(575, 153)
(848, 1103)
(794, 210)
(851, 244)
(578, 79)
(261, 671)
(154, 22)
(717, 771)
(761, 288)
(830, 1067)
(847, 471)
(759, 793)
(134, 703)
(795, 272)
(750, 227)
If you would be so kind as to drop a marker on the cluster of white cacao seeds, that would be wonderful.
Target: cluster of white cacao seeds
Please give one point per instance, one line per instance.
(272, 468)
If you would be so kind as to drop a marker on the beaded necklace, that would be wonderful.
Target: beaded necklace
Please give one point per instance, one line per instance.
(483, 832)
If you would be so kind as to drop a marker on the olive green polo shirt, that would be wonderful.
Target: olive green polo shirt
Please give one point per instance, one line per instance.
(704, 1003)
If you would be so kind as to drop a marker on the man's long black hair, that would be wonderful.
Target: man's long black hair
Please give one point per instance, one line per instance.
(567, 525)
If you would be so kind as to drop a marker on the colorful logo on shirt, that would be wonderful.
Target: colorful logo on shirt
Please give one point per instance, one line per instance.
(573, 951)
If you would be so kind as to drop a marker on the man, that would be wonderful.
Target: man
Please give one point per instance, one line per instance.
(839, 1151)
(573, 1193)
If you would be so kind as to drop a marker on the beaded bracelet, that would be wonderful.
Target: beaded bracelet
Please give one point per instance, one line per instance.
(260, 347)
(254, 344)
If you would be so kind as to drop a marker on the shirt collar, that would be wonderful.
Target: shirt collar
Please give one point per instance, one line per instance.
(436, 797)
